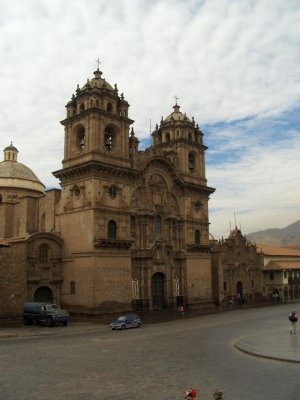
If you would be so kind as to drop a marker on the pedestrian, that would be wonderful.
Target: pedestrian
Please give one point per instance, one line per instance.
(190, 394)
(181, 310)
(293, 320)
(218, 394)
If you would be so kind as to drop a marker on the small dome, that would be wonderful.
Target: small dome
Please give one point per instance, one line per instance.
(16, 170)
(17, 175)
(177, 115)
(11, 147)
(97, 82)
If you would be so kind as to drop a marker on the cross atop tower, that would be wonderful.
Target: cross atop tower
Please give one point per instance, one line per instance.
(176, 98)
(98, 62)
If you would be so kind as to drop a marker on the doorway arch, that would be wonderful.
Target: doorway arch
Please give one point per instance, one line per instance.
(43, 295)
(158, 290)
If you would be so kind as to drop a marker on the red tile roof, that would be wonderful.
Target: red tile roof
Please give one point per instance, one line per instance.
(280, 265)
(276, 251)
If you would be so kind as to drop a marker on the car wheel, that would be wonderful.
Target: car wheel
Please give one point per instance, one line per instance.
(65, 323)
(123, 327)
(139, 324)
(49, 322)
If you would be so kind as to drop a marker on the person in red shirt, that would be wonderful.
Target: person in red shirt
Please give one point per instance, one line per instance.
(190, 394)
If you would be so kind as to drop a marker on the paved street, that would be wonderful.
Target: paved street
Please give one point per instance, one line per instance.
(158, 361)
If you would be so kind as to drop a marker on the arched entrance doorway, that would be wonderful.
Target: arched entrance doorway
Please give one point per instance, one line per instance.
(158, 290)
(239, 290)
(43, 295)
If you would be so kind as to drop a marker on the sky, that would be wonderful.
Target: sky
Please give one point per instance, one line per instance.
(233, 64)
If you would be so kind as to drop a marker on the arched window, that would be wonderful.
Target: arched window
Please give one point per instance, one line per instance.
(112, 230)
(72, 287)
(167, 138)
(197, 236)
(109, 107)
(80, 138)
(82, 107)
(109, 136)
(192, 162)
(157, 225)
(43, 254)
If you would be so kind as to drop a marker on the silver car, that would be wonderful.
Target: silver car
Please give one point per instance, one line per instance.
(127, 321)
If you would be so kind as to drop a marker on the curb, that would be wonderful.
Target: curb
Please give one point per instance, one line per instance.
(254, 354)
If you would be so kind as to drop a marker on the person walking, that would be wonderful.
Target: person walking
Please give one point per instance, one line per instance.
(293, 320)
(181, 310)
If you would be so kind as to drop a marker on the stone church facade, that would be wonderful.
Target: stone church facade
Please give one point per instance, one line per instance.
(237, 271)
(128, 230)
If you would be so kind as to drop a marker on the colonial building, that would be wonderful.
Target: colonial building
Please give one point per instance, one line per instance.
(237, 270)
(281, 273)
(128, 229)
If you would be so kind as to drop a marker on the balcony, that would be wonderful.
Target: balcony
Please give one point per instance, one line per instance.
(293, 281)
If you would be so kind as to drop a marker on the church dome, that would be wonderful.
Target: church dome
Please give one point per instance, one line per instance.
(97, 82)
(17, 175)
(177, 115)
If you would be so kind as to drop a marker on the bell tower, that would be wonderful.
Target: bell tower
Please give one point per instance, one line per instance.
(180, 135)
(96, 125)
(93, 214)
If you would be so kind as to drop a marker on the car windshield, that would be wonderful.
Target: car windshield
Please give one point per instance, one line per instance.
(51, 307)
(122, 318)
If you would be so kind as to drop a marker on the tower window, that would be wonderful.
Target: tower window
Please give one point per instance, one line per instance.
(112, 230)
(197, 236)
(109, 107)
(192, 162)
(167, 138)
(109, 135)
(112, 191)
(197, 206)
(82, 107)
(80, 138)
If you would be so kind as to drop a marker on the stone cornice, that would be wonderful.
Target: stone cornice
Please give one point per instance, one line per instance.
(113, 243)
(95, 110)
(199, 248)
(94, 168)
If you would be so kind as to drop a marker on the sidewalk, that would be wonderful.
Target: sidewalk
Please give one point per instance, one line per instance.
(279, 345)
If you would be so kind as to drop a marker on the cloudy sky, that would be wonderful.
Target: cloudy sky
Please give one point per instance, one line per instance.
(234, 64)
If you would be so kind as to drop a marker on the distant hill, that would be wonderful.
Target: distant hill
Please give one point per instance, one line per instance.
(289, 236)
